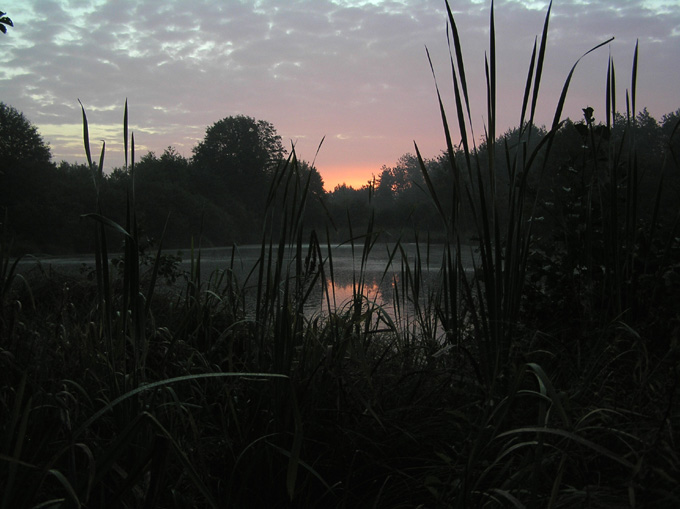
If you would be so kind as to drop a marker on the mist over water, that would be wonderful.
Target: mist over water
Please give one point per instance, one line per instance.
(381, 276)
(381, 279)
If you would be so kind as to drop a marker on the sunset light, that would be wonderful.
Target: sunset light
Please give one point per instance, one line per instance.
(355, 72)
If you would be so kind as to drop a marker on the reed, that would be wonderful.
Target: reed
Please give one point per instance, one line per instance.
(506, 464)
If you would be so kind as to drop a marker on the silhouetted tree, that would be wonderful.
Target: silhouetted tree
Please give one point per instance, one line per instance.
(171, 167)
(238, 155)
(670, 127)
(404, 176)
(648, 134)
(20, 141)
(165, 192)
(71, 194)
(24, 175)
(349, 207)
(293, 181)
(233, 167)
(401, 198)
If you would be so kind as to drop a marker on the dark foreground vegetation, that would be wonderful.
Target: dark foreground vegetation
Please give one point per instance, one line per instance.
(549, 379)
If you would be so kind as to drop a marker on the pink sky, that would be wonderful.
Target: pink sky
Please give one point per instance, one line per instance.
(354, 71)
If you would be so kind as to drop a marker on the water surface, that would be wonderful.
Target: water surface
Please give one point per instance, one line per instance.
(381, 277)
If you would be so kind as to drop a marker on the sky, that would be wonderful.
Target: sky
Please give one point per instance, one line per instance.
(353, 71)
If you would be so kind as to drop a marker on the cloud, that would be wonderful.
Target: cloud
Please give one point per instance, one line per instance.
(314, 67)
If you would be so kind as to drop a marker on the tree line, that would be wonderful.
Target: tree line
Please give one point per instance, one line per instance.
(223, 193)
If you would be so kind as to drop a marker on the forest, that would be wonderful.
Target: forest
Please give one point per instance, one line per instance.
(222, 191)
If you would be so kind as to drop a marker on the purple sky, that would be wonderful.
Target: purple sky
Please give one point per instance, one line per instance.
(354, 71)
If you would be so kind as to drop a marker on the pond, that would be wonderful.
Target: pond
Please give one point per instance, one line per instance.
(382, 277)
(384, 272)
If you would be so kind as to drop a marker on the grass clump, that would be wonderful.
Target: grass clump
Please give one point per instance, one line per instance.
(543, 375)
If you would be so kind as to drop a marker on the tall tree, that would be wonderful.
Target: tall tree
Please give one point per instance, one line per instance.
(670, 127)
(233, 167)
(237, 157)
(20, 141)
(165, 192)
(26, 171)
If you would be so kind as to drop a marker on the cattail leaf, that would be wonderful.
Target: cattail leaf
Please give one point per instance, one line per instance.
(539, 64)
(573, 437)
(565, 88)
(108, 222)
(86, 136)
(633, 85)
(527, 90)
(125, 133)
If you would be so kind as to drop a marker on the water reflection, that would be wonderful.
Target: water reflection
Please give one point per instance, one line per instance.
(384, 278)
(339, 296)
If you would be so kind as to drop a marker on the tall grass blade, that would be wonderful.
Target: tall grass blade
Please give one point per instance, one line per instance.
(633, 85)
(539, 65)
(608, 93)
(105, 221)
(294, 460)
(492, 85)
(86, 141)
(548, 388)
(527, 91)
(125, 133)
(572, 437)
(19, 426)
(430, 186)
(63, 481)
(447, 132)
(459, 60)
(156, 266)
(146, 387)
(565, 88)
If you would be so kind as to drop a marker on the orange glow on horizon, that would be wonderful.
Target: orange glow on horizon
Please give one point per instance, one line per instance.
(352, 176)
